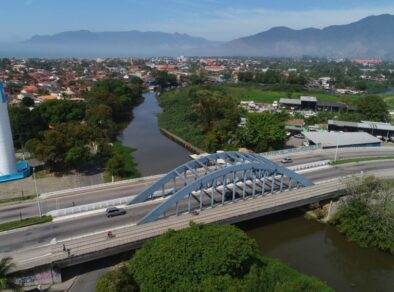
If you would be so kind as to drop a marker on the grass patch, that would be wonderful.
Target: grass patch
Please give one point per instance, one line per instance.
(262, 94)
(17, 199)
(24, 222)
(360, 159)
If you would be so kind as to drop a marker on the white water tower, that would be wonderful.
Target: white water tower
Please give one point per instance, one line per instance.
(7, 152)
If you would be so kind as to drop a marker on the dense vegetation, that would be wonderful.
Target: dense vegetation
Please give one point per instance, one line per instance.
(208, 117)
(70, 135)
(367, 216)
(6, 265)
(206, 258)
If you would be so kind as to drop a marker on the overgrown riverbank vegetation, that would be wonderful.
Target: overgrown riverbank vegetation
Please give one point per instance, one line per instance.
(208, 115)
(79, 135)
(367, 215)
(205, 258)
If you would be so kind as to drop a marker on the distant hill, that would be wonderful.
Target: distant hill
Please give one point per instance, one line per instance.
(371, 37)
(84, 42)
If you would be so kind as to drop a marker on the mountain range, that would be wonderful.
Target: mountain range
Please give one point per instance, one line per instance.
(370, 37)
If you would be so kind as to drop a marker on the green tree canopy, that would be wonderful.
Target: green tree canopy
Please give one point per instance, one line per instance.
(62, 111)
(192, 254)
(212, 258)
(6, 265)
(263, 131)
(117, 95)
(373, 108)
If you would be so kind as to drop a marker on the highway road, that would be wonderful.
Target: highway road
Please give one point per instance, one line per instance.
(99, 223)
(11, 212)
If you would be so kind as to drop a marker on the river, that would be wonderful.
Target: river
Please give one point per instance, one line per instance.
(308, 246)
(155, 153)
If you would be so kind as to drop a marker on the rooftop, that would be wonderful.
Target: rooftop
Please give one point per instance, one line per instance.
(363, 125)
(342, 139)
(308, 98)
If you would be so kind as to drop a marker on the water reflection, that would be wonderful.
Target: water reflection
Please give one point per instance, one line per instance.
(155, 153)
(319, 250)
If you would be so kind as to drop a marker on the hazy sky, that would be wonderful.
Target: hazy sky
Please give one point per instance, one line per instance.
(213, 19)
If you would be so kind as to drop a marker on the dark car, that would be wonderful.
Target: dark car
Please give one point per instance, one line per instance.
(287, 160)
(114, 211)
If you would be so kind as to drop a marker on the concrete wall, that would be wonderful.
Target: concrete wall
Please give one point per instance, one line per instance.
(41, 276)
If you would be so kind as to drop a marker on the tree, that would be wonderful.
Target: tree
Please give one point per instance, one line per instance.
(117, 95)
(67, 145)
(263, 132)
(27, 101)
(245, 76)
(164, 79)
(367, 216)
(117, 280)
(121, 162)
(25, 124)
(373, 108)
(191, 255)
(212, 258)
(217, 115)
(62, 111)
(6, 266)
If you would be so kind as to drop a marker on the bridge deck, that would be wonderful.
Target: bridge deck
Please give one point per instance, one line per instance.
(95, 246)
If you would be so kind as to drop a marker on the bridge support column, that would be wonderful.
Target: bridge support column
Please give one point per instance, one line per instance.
(235, 178)
(244, 185)
(263, 188)
(273, 182)
(201, 196)
(254, 184)
(281, 182)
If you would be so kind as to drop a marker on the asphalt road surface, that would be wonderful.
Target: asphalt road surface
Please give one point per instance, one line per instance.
(15, 211)
(63, 229)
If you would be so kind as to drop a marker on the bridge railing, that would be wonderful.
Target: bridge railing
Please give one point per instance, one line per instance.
(291, 150)
(309, 165)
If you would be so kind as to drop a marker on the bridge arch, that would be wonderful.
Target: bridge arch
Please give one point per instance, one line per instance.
(215, 179)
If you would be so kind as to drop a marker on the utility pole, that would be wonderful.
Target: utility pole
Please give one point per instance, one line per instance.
(35, 186)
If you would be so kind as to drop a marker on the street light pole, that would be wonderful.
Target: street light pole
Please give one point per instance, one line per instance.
(35, 186)
(336, 151)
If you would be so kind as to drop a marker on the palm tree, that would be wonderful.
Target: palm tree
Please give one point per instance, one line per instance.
(6, 265)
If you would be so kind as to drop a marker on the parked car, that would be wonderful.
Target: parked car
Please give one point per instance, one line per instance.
(114, 211)
(299, 136)
(287, 160)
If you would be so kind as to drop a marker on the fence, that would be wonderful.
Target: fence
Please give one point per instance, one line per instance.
(291, 151)
(309, 165)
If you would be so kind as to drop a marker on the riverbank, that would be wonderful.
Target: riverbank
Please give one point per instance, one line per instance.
(182, 142)
(155, 153)
(320, 250)
(365, 215)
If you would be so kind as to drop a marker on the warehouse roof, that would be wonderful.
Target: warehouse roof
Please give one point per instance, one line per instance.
(308, 98)
(342, 139)
(290, 101)
(363, 125)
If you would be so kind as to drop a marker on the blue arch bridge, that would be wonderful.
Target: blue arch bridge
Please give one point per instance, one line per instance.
(217, 179)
